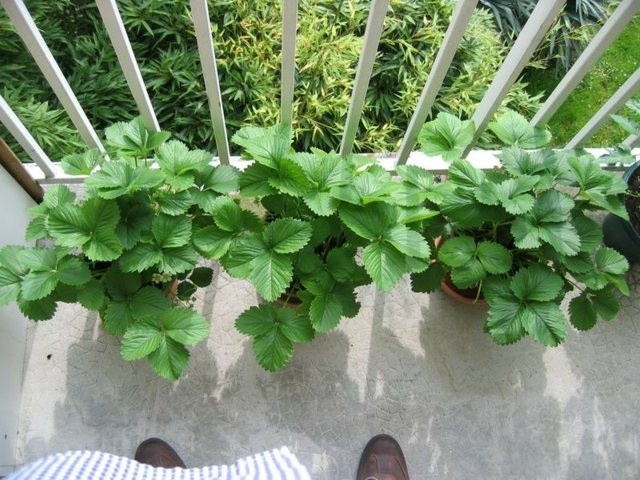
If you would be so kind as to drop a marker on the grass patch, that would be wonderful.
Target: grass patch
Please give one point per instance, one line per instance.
(609, 73)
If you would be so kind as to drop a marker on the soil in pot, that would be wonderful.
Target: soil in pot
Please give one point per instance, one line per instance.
(289, 299)
(632, 202)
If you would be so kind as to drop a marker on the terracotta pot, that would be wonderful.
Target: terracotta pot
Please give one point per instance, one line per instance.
(467, 296)
(293, 302)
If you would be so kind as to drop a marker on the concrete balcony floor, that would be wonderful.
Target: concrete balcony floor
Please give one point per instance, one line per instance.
(416, 366)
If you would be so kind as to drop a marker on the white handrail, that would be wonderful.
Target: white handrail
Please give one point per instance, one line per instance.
(530, 37)
(615, 103)
(372, 34)
(15, 126)
(201, 22)
(120, 41)
(455, 31)
(28, 31)
(594, 50)
(289, 21)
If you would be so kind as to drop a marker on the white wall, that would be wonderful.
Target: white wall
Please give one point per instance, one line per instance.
(13, 220)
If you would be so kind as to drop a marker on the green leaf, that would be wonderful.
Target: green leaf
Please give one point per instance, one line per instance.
(186, 290)
(73, 271)
(170, 359)
(468, 275)
(148, 302)
(140, 340)
(325, 312)
(117, 317)
(91, 226)
(513, 129)
(415, 175)
(408, 241)
(289, 178)
(429, 280)
(504, 322)
(132, 139)
(91, 296)
(37, 229)
(170, 232)
(239, 260)
(121, 285)
(580, 263)
(606, 303)
(545, 322)
(513, 194)
(370, 221)
(446, 136)
(287, 235)
(201, 276)
(58, 195)
(173, 203)
(37, 310)
(561, 236)
(83, 163)
(457, 251)
(525, 233)
(254, 181)
(589, 231)
(265, 146)
(536, 282)
(494, 257)
(609, 260)
(271, 273)
(487, 194)
(117, 178)
(384, 264)
(9, 286)
(581, 312)
(38, 284)
(141, 257)
(177, 163)
(211, 242)
(552, 206)
(211, 181)
(296, 328)
(321, 203)
(185, 325)
(462, 173)
(178, 260)
(273, 350)
(257, 320)
(341, 264)
(220, 179)
(134, 219)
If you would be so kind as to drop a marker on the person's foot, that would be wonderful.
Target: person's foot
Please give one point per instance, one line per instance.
(382, 459)
(158, 453)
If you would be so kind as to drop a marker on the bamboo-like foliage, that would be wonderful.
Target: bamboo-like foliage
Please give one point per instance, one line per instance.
(247, 36)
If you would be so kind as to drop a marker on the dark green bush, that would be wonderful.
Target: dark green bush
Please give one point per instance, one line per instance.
(247, 37)
(566, 39)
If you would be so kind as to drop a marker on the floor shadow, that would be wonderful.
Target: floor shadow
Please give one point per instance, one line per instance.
(416, 366)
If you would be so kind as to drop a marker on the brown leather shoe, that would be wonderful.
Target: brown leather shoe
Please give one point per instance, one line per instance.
(158, 453)
(382, 459)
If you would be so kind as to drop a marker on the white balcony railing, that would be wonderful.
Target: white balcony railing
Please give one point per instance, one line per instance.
(539, 22)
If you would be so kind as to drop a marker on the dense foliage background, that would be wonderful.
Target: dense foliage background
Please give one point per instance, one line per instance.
(247, 35)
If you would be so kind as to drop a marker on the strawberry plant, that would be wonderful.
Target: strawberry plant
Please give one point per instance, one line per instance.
(325, 224)
(126, 249)
(520, 235)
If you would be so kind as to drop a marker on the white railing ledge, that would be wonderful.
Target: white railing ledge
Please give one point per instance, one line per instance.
(483, 159)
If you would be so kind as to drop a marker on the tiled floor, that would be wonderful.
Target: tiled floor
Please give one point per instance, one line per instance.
(416, 366)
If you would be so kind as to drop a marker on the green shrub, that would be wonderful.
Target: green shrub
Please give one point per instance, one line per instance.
(566, 39)
(247, 37)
